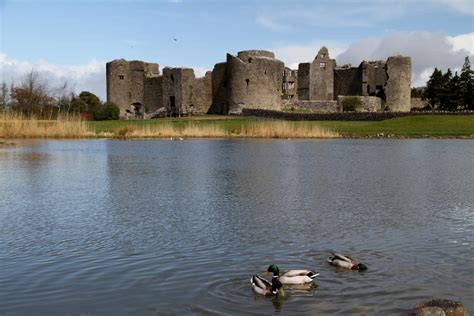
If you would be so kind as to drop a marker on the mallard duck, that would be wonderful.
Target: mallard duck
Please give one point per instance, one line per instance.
(347, 262)
(263, 287)
(291, 276)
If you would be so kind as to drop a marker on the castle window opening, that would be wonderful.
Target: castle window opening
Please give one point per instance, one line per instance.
(265, 72)
(323, 55)
(322, 65)
(172, 78)
(121, 77)
(247, 81)
(368, 88)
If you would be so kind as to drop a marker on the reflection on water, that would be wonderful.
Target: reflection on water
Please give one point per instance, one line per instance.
(152, 227)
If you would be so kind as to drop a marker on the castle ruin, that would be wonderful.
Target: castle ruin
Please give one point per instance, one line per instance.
(255, 79)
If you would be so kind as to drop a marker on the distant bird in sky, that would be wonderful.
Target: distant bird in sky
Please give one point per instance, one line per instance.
(175, 39)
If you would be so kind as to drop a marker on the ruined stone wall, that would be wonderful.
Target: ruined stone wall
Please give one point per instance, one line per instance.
(202, 95)
(370, 103)
(153, 94)
(183, 94)
(176, 91)
(348, 81)
(220, 79)
(255, 81)
(321, 79)
(374, 77)
(397, 88)
(290, 84)
(304, 70)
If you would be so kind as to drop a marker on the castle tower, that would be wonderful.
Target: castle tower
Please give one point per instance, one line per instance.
(321, 80)
(255, 80)
(398, 86)
(126, 83)
(316, 79)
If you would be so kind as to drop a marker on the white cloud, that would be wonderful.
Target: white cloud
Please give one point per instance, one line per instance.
(427, 51)
(293, 54)
(200, 71)
(87, 77)
(462, 42)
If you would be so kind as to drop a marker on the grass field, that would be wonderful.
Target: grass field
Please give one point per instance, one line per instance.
(461, 126)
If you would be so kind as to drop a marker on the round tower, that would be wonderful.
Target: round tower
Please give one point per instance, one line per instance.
(398, 86)
(255, 81)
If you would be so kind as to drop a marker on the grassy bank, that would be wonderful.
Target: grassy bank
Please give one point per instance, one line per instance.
(460, 126)
(235, 126)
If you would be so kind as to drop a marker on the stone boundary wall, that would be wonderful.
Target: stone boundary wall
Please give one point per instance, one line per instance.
(316, 105)
(342, 116)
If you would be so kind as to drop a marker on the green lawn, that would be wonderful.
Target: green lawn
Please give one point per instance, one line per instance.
(411, 126)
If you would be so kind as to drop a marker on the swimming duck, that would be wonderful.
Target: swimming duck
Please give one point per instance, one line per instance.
(263, 287)
(347, 262)
(291, 276)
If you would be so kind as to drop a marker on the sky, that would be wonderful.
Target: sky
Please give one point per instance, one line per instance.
(71, 40)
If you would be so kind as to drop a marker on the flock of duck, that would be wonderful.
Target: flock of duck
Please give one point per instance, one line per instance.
(274, 287)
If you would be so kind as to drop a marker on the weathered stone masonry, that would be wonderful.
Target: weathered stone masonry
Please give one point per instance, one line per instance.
(255, 79)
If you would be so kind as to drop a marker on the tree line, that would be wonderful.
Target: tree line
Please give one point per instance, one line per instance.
(448, 92)
(35, 97)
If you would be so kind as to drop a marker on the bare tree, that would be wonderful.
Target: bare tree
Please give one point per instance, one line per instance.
(32, 96)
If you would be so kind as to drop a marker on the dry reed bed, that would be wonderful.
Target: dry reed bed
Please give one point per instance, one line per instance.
(284, 129)
(17, 126)
(261, 129)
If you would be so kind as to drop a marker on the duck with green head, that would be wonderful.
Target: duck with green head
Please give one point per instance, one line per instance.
(346, 262)
(263, 287)
(291, 276)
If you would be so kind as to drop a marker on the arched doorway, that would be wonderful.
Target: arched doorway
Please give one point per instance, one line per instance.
(137, 108)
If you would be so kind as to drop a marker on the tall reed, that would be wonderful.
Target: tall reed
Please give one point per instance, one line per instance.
(284, 129)
(14, 125)
(190, 129)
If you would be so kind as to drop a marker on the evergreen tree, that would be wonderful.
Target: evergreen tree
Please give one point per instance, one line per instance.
(434, 88)
(445, 94)
(465, 83)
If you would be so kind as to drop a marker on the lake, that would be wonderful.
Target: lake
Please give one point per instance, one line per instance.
(158, 227)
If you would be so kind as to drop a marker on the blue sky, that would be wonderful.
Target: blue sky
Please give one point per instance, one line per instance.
(73, 39)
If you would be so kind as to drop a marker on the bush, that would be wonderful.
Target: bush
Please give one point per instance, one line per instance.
(108, 111)
(351, 104)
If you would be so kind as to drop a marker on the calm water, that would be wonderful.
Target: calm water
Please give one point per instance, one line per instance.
(168, 227)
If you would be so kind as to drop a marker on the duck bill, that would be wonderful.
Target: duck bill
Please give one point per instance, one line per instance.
(266, 273)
